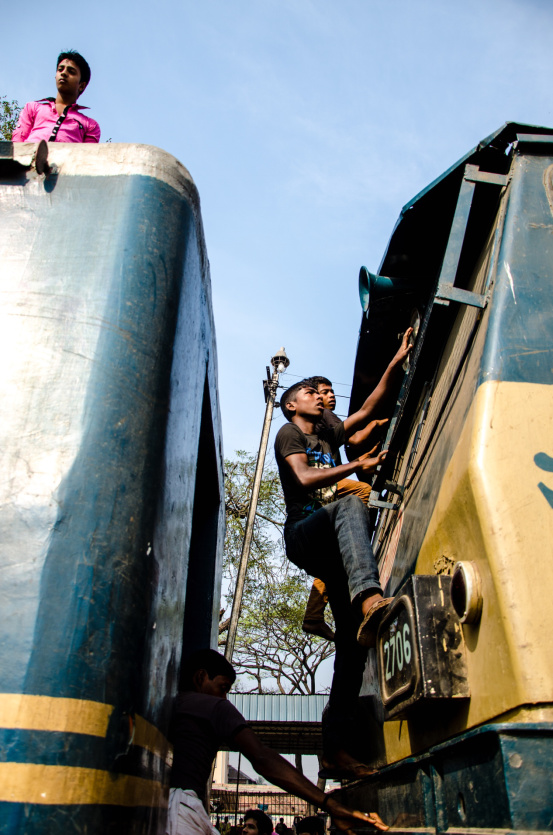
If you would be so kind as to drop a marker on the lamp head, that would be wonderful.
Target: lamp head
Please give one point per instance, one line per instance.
(280, 361)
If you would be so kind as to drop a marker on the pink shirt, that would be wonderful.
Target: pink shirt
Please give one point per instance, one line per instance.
(40, 120)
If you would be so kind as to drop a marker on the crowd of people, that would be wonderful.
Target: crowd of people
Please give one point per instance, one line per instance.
(327, 533)
(256, 822)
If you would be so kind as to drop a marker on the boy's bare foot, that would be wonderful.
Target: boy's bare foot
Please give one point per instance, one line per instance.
(368, 602)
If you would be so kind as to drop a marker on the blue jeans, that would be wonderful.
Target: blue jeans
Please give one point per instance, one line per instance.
(334, 543)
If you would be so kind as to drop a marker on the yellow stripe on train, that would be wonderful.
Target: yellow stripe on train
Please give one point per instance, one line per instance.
(44, 713)
(19, 711)
(65, 785)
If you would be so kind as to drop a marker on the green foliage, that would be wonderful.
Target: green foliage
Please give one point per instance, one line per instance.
(267, 552)
(9, 114)
(272, 653)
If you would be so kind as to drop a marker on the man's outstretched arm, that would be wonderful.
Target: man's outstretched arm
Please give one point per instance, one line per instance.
(360, 418)
(283, 774)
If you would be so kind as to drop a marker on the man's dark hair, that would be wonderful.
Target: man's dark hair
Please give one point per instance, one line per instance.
(209, 660)
(77, 59)
(290, 394)
(263, 821)
(318, 381)
(314, 825)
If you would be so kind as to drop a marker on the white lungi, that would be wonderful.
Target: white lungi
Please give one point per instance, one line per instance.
(187, 815)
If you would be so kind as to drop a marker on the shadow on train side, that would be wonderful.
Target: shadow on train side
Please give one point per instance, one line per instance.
(458, 695)
(111, 515)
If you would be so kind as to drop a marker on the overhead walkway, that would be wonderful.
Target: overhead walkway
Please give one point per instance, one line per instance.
(288, 724)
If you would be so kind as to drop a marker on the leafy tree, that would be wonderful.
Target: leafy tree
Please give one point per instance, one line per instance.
(272, 654)
(9, 114)
(271, 648)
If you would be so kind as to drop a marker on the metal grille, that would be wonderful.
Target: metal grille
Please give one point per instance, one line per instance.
(276, 804)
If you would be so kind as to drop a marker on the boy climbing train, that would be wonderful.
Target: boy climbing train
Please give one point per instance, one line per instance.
(203, 721)
(331, 540)
(314, 622)
(60, 119)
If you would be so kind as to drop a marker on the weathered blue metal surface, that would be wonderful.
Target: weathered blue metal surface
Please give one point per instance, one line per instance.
(110, 433)
(419, 245)
(495, 778)
(513, 342)
(519, 345)
(448, 489)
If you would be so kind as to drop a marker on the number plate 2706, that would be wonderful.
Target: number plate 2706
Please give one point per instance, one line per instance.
(397, 651)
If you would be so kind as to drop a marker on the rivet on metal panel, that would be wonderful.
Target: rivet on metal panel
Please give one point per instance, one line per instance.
(515, 760)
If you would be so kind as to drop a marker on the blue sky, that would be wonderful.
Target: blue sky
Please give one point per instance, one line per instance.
(306, 125)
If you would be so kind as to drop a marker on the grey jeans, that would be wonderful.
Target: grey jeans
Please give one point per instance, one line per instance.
(334, 543)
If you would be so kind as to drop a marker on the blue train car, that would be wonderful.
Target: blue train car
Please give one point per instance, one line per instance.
(111, 510)
(460, 686)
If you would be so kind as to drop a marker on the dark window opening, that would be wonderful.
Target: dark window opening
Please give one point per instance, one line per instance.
(199, 605)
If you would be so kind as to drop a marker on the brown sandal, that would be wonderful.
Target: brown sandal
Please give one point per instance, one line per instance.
(366, 635)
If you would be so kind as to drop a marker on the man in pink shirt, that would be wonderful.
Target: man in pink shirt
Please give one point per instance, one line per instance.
(60, 119)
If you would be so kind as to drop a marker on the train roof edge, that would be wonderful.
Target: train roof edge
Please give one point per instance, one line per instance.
(500, 139)
(416, 248)
(110, 159)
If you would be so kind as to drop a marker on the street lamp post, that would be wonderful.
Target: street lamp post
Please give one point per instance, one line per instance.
(280, 363)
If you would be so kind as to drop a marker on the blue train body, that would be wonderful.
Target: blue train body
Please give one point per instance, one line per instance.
(111, 516)
(459, 692)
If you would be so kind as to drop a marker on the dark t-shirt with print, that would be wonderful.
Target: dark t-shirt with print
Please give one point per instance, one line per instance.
(328, 421)
(201, 725)
(320, 449)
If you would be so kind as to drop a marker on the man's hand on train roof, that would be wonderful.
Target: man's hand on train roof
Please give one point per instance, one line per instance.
(404, 349)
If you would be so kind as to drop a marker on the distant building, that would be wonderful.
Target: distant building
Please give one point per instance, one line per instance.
(244, 778)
